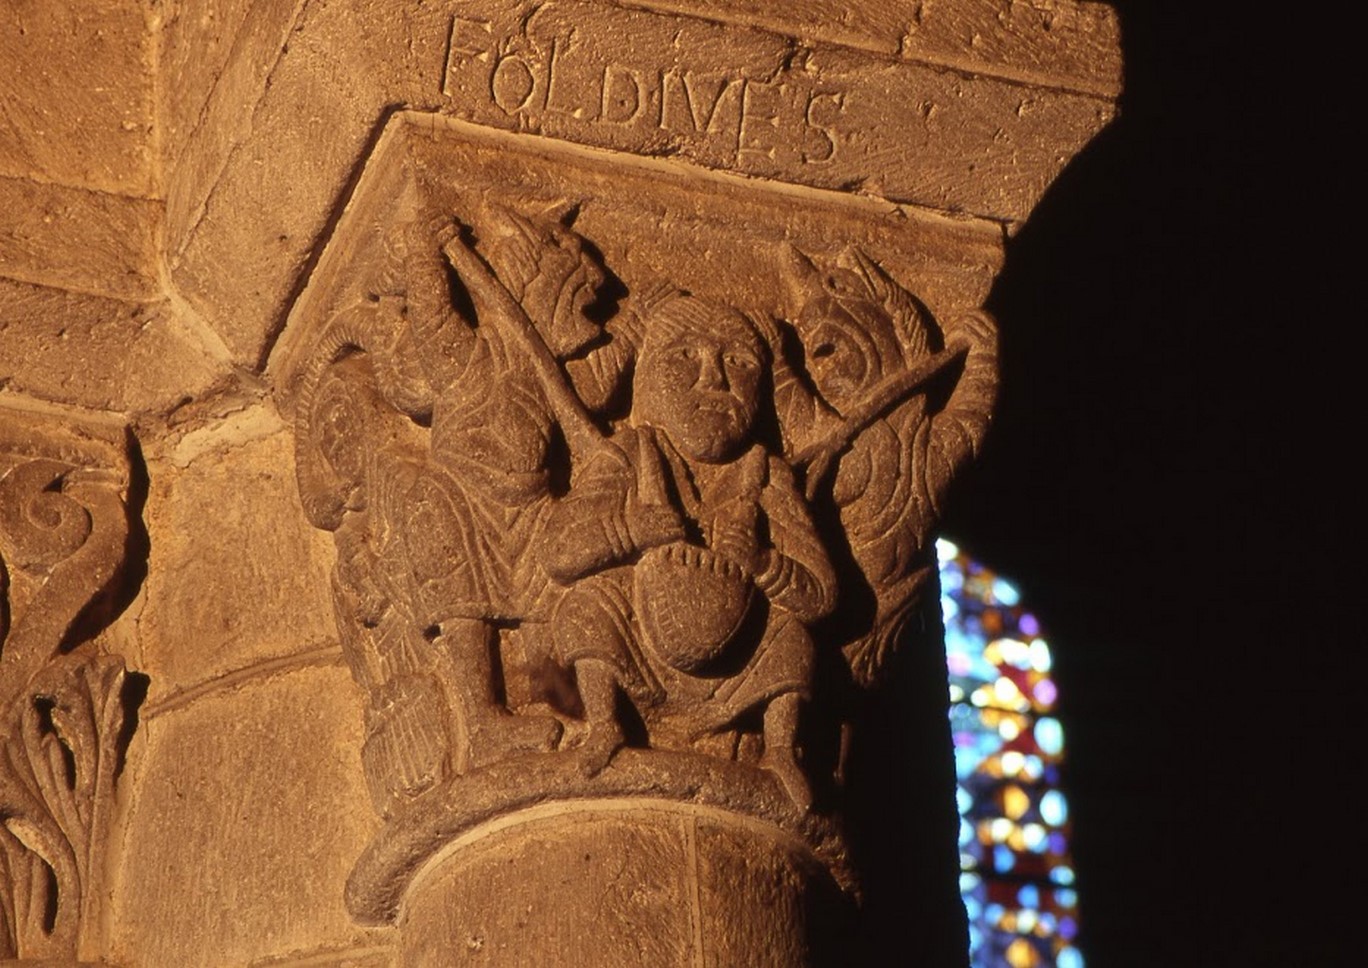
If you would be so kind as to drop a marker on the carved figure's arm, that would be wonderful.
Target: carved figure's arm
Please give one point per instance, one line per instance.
(796, 573)
(603, 522)
(884, 396)
(503, 313)
(444, 340)
(957, 432)
(803, 417)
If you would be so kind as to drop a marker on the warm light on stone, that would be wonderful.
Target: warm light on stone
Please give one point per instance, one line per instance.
(463, 468)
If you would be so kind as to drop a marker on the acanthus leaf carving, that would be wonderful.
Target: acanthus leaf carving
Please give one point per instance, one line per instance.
(66, 526)
(60, 761)
(65, 701)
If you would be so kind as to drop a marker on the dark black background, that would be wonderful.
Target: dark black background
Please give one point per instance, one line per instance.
(1129, 488)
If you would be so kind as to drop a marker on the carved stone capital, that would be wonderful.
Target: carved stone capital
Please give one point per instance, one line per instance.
(631, 474)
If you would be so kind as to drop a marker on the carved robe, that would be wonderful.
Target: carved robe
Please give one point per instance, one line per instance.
(631, 610)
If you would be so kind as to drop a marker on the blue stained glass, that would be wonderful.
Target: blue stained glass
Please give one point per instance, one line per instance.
(1053, 808)
(1049, 736)
(1013, 839)
(1003, 858)
(1005, 592)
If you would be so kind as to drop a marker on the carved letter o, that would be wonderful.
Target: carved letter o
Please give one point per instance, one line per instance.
(512, 83)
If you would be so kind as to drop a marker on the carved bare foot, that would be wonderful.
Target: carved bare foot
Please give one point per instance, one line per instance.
(784, 765)
(781, 726)
(498, 735)
(600, 743)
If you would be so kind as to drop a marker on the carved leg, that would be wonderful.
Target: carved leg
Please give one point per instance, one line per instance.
(598, 691)
(780, 757)
(491, 732)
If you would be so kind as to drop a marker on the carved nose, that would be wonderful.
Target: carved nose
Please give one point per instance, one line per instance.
(711, 374)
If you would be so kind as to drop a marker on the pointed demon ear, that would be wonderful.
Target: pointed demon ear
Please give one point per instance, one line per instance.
(880, 283)
(802, 280)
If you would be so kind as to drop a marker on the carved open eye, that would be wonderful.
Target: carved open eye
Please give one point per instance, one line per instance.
(741, 360)
(823, 350)
(840, 286)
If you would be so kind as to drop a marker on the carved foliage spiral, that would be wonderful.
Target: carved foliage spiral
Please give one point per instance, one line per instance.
(63, 698)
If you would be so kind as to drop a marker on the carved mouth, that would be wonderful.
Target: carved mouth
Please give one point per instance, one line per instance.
(723, 406)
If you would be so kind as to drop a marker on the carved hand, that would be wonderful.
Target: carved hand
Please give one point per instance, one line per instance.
(736, 541)
(421, 259)
(974, 329)
(653, 525)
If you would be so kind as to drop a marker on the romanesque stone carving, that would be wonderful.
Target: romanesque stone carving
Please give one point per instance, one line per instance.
(879, 429)
(587, 516)
(65, 700)
(628, 348)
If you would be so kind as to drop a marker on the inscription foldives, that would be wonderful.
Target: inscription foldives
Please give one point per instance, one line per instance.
(733, 118)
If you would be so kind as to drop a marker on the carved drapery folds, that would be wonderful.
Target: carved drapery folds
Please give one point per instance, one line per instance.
(64, 698)
(627, 473)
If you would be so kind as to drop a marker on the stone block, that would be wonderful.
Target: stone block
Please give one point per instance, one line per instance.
(765, 102)
(226, 52)
(99, 353)
(79, 239)
(215, 602)
(77, 101)
(762, 95)
(249, 807)
(1055, 43)
(198, 41)
(249, 201)
(615, 885)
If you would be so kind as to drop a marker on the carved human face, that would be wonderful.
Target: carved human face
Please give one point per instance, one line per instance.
(699, 378)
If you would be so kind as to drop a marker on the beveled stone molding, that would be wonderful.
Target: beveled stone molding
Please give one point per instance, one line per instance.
(66, 700)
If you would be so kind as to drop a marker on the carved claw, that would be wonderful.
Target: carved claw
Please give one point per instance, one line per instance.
(974, 330)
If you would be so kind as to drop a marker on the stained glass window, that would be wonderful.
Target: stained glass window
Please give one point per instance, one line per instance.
(1016, 876)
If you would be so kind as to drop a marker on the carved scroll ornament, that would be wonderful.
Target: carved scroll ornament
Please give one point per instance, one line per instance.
(599, 535)
(63, 698)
